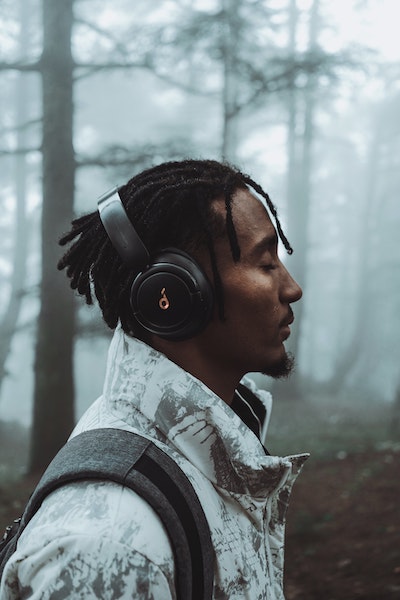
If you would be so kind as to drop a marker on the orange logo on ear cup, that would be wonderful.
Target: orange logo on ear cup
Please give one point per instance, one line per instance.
(163, 303)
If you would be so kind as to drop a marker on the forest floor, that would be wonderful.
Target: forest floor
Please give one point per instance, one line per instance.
(343, 532)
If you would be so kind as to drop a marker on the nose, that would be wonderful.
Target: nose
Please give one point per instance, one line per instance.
(290, 289)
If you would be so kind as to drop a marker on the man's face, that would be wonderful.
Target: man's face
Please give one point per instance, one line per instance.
(258, 291)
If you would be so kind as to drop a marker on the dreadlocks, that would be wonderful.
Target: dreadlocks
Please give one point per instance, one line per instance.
(170, 205)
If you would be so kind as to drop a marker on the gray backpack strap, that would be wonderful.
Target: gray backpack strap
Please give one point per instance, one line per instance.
(135, 462)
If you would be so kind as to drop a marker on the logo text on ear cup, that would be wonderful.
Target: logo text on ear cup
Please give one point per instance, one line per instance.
(163, 303)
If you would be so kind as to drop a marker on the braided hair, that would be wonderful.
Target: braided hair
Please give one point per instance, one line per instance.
(170, 205)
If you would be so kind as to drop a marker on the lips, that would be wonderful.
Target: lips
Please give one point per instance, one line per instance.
(287, 320)
(284, 326)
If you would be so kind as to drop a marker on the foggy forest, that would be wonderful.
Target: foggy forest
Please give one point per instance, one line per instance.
(304, 96)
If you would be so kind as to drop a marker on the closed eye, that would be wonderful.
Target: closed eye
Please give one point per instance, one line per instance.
(269, 267)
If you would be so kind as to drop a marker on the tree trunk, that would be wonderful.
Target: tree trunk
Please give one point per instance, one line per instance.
(10, 318)
(350, 356)
(53, 416)
(292, 150)
(293, 172)
(395, 421)
(229, 92)
(299, 176)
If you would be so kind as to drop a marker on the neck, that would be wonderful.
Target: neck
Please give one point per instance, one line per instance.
(191, 357)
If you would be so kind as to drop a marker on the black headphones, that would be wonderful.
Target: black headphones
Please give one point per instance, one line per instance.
(170, 295)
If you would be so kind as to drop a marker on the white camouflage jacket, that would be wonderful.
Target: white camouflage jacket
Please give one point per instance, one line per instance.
(100, 540)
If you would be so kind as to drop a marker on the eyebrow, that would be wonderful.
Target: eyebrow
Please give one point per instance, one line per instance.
(267, 243)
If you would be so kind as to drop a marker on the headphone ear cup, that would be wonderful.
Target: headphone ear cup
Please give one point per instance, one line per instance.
(172, 298)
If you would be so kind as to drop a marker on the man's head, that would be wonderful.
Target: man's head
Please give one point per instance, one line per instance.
(196, 206)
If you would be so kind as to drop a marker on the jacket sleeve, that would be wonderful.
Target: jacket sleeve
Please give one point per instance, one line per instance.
(85, 567)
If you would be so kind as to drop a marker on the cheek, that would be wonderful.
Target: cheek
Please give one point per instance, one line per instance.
(254, 311)
(251, 296)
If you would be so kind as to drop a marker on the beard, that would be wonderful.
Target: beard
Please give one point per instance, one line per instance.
(281, 369)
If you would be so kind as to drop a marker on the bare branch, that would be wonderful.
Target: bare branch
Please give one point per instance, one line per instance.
(21, 66)
(135, 156)
(21, 127)
(93, 68)
(113, 156)
(190, 89)
(121, 48)
(110, 65)
(19, 151)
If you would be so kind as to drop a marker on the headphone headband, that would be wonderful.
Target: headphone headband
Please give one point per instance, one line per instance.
(121, 231)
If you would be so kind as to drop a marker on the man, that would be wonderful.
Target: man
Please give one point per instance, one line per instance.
(177, 380)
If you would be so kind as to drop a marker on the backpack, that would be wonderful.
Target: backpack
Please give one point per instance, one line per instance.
(133, 461)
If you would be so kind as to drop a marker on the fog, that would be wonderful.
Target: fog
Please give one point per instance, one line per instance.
(304, 96)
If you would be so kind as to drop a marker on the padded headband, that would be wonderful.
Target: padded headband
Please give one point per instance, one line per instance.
(121, 231)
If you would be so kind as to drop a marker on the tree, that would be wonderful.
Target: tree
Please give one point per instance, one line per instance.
(11, 313)
(53, 416)
(229, 52)
(230, 9)
(375, 333)
(300, 159)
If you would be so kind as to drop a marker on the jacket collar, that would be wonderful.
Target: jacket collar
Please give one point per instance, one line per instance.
(155, 396)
